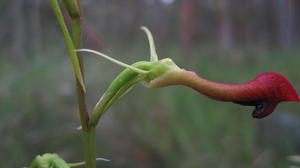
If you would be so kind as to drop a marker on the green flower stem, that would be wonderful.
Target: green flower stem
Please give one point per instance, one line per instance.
(89, 132)
(90, 147)
(77, 39)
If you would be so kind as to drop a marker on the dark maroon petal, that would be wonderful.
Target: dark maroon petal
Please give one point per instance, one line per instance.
(264, 109)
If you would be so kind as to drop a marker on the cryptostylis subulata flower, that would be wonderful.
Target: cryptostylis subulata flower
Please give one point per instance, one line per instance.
(264, 92)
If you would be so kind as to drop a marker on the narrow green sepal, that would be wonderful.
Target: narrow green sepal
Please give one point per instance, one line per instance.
(119, 87)
(153, 55)
(69, 42)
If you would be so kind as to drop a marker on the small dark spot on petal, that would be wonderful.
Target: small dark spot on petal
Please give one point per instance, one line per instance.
(259, 110)
(262, 108)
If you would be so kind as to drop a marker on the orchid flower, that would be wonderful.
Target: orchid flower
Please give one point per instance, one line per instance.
(264, 92)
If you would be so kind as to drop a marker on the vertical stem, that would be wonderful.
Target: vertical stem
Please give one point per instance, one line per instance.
(77, 40)
(88, 131)
(90, 147)
(72, 43)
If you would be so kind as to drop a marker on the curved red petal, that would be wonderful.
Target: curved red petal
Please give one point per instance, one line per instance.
(274, 87)
(269, 86)
(264, 92)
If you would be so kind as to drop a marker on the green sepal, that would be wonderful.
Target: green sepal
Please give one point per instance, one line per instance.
(69, 42)
(126, 80)
(120, 86)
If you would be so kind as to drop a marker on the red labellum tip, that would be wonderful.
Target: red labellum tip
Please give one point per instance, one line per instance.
(264, 92)
(271, 89)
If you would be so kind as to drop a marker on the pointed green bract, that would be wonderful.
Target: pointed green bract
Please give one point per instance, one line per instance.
(69, 42)
(153, 55)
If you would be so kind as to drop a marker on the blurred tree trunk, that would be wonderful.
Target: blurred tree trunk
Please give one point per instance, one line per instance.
(159, 18)
(187, 25)
(225, 25)
(18, 28)
(35, 26)
(285, 22)
(268, 23)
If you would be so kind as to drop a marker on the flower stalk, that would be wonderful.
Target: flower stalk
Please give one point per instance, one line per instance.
(89, 132)
(73, 7)
(90, 147)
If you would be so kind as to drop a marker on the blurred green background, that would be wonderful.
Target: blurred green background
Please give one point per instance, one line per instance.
(228, 41)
